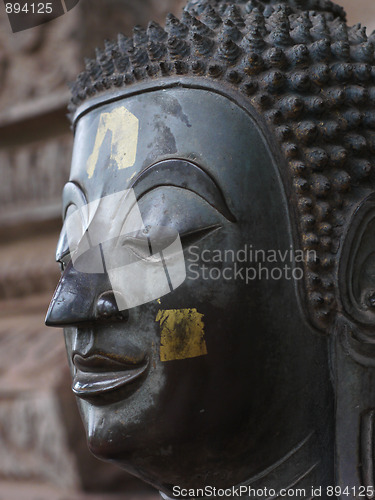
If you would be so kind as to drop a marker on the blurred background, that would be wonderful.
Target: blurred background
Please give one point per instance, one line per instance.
(43, 454)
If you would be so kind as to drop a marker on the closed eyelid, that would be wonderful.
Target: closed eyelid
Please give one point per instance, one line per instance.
(191, 237)
(187, 238)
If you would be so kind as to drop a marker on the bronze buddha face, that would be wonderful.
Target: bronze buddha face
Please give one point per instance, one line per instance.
(220, 399)
(229, 378)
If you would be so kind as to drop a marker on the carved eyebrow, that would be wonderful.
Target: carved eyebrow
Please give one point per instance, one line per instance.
(186, 175)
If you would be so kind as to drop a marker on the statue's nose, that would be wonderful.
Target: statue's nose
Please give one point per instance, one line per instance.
(106, 308)
(82, 298)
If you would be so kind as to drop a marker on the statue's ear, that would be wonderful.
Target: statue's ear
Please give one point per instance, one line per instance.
(355, 351)
(357, 270)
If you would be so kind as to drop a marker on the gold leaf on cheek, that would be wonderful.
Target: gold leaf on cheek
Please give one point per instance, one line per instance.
(182, 334)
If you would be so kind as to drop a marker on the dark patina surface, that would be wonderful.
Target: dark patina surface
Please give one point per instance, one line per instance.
(243, 124)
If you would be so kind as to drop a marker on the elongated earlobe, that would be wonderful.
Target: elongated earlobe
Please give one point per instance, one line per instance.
(357, 271)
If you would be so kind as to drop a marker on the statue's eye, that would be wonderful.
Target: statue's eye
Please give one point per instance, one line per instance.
(63, 255)
(71, 234)
(106, 234)
(157, 244)
(152, 244)
(193, 237)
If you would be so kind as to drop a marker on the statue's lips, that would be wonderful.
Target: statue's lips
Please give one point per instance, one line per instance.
(97, 374)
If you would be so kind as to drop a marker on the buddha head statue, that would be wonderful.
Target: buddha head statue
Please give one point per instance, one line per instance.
(218, 269)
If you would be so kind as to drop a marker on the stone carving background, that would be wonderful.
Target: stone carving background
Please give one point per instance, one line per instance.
(43, 453)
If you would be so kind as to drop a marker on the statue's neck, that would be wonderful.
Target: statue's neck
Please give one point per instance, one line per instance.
(303, 469)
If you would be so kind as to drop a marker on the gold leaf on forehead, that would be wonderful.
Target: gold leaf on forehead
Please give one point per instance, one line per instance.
(124, 128)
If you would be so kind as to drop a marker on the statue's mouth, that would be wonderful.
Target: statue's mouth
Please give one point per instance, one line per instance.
(97, 375)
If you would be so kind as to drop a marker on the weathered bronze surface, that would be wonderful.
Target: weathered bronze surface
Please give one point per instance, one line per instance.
(246, 123)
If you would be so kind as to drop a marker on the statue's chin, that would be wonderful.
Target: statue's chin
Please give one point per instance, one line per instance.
(163, 472)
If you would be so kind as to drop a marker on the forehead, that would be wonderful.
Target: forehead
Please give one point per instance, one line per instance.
(116, 141)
